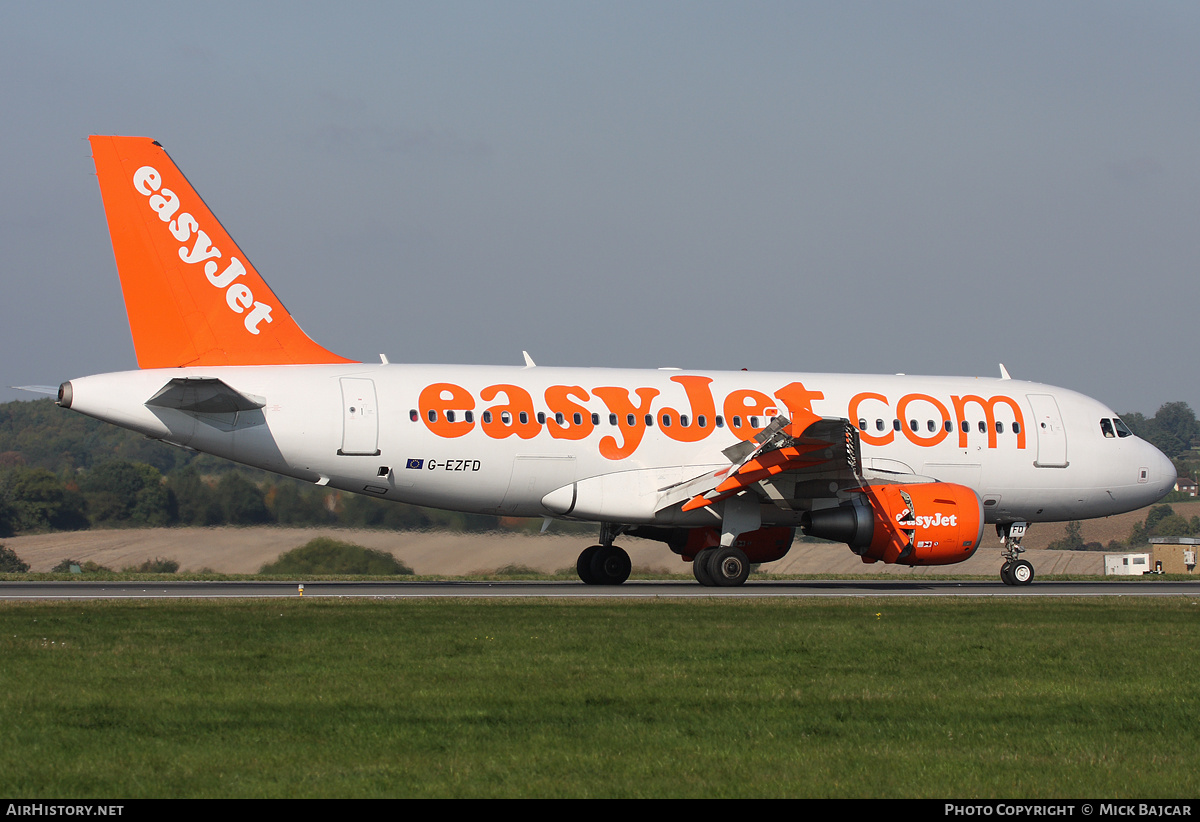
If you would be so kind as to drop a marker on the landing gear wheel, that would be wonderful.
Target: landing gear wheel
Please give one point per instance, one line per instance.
(583, 565)
(700, 568)
(1006, 574)
(610, 565)
(728, 567)
(1021, 573)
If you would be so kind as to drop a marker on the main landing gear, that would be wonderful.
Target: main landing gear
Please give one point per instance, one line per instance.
(1015, 571)
(722, 566)
(604, 564)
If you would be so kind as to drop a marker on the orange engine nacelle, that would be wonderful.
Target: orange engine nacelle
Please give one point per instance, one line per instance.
(935, 523)
(763, 545)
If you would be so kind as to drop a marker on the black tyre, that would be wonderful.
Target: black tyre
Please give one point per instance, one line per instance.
(700, 568)
(610, 565)
(583, 566)
(729, 567)
(1006, 574)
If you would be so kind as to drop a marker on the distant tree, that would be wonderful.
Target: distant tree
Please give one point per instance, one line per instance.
(1072, 541)
(36, 500)
(123, 492)
(158, 565)
(195, 500)
(1172, 430)
(88, 567)
(10, 563)
(241, 500)
(330, 556)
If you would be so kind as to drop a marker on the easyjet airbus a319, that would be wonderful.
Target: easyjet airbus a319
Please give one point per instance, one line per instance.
(722, 467)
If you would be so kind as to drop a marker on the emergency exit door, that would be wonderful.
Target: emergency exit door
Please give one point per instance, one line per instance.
(360, 418)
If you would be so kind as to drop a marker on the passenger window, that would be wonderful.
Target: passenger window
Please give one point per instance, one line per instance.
(666, 420)
(895, 425)
(558, 418)
(630, 420)
(982, 427)
(506, 417)
(649, 420)
(612, 419)
(413, 415)
(1016, 428)
(913, 425)
(595, 418)
(469, 416)
(432, 415)
(1106, 428)
(683, 420)
(930, 425)
(737, 421)
(702, 421)
(449, 416)
(487, 417)
(577, 418)
(949, 426)
(878, 425)
(720, 421)
(541, 417)
(524, 418)
(966, 427)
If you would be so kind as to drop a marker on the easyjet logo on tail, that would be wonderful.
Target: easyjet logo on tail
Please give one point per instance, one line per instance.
(184, 228)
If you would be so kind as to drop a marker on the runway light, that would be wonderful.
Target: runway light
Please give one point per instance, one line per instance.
(301, 588)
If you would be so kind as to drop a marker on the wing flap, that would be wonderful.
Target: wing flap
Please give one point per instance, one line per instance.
(824, 458)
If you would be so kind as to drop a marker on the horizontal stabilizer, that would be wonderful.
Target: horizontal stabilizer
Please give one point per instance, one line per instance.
(203, 395)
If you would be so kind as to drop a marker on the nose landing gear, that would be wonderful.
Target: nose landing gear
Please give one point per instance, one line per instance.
(1015, 571)
(604, 564)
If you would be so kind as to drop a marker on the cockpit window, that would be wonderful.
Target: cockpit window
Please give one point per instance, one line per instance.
(1122, 428)
(1106, 428)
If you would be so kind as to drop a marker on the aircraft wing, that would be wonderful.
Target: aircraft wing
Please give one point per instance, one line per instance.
(787, 469)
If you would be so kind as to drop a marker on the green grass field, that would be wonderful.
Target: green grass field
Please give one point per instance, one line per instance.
(437, 698)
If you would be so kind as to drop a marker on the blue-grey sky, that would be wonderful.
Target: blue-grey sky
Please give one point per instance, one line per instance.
(884, 187)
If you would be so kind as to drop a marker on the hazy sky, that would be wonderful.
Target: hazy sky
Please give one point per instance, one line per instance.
(871, 187)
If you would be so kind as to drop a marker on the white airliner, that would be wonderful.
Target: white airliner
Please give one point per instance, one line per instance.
(720, 466)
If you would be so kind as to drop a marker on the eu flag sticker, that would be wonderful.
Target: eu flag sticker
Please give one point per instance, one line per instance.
(415, 464)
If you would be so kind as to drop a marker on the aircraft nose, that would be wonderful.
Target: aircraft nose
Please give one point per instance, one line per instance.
(1162, 472)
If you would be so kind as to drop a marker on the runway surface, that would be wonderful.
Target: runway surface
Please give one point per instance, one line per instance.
(632, 590)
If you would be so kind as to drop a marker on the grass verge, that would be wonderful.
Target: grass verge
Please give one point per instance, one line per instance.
(856, 697)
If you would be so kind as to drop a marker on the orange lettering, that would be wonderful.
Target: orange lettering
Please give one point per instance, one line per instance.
(852, 412)
(558, 402)
(440, 398)
(912, 435)
(701, 401)
(989, 412)
(506, 420)
(746, 403)
(798, 400)
(618, 402)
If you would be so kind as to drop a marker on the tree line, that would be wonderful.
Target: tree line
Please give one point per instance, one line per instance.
(64, 471)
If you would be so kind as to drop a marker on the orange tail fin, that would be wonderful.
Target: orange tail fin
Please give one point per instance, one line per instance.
(192, 296)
